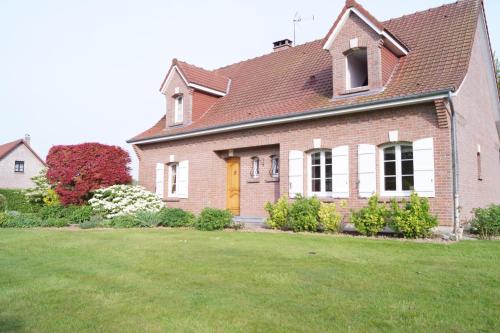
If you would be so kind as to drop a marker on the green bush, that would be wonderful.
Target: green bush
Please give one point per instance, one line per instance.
(330, 219)
(175, 217)
(16, 201)
(412, 218)
(21, 220)
(79, 214)
(150, 219)
(278, 213)
(128, 221)
(3, 219)
(303, 214)
(213, 219)
(3, 203)
(54, 222)
(370, 220)
(95, 221)
(486, 222)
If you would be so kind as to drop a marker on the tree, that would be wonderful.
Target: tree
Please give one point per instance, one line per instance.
(76, 170)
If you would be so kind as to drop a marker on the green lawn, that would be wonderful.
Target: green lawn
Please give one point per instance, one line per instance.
(164, 280)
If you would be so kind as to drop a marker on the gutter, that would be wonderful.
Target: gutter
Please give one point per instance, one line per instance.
(313, 114)
(454, 167)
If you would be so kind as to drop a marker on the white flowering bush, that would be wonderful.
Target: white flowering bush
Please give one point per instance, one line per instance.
(118, 200)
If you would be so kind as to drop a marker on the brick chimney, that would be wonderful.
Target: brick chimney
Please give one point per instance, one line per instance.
(281, 45)
(27, 139)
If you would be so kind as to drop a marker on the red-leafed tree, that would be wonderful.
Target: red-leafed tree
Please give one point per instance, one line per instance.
(76, 170)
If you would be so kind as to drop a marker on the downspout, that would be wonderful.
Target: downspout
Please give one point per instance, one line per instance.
(454, 167)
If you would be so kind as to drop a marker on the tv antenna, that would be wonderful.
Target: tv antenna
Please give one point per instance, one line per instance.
(297, 18)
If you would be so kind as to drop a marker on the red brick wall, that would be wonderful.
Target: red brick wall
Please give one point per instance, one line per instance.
(476, 105)
(169, 90)
(201, 103)
(207, 174)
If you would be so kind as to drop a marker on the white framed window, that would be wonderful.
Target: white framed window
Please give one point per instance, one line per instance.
(172, 179)
(254, 171)
(19, 166)
(320, 173)
(275, 166)
(396, 170)
(356, 69)
(179, 109)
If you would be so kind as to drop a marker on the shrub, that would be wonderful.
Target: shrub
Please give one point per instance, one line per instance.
(16, 201)
(3, 219)
(151, 219)
(213, 219)
(486, 222)
(413, 218)
(21, 220)
(372, 219)
(40, 193)
(79, 214)
(278, 213)
(120, 200)
(76, 170)
(95, 221)
(175, 217)
(303, 214)
(330, 219)
(3, 203)
(51, 198)
(54, 222)
(128, 221)
(46, 212)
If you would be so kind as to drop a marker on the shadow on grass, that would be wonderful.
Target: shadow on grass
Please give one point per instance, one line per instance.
(10, 324)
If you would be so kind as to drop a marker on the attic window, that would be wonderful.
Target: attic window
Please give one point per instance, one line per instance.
(357, 69)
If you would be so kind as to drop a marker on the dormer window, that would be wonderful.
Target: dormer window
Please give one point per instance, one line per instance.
(356, 69)
(179, 109)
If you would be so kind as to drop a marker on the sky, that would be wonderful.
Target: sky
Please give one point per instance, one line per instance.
(90, 70)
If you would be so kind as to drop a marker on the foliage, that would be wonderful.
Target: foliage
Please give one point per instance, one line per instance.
(151, 219)
(303, 214)
(370, 220)
(330, 219)
(213, 219)
(95, 221)
(175, 217)
(128, 221)
(21, 220)
(16, 201)
(79, 214)
(54, 222)
(76, 170)
(278, 213)
(486, 222)
(3, 203)
(42, 193)
(120, 200)
(412, 218)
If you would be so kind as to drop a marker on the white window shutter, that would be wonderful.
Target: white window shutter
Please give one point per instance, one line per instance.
(423, 167)
(340, 172)
(367, 176)
(295, 173)
(183, 179)
(160, 175)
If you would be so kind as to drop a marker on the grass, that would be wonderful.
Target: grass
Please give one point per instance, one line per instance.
(164, 280)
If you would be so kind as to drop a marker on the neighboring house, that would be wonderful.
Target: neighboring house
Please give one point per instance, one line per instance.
(387, 108)
(18, 163)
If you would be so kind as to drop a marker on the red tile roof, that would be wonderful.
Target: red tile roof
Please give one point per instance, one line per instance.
(300, 79)
(6, 148)
(200, 76)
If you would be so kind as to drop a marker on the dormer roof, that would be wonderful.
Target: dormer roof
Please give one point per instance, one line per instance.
(352, 7)
(199, 78)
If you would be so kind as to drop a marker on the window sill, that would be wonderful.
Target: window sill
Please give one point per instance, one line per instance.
(253, 180)
(272, 180)
(171, 200)
(355, 90)
(18, 171)
(176, 124)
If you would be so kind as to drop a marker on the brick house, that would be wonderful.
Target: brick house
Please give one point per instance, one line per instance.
(18, 164)
(409, 104)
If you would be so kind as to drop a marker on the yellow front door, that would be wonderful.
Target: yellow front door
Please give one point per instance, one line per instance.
(233, 185)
